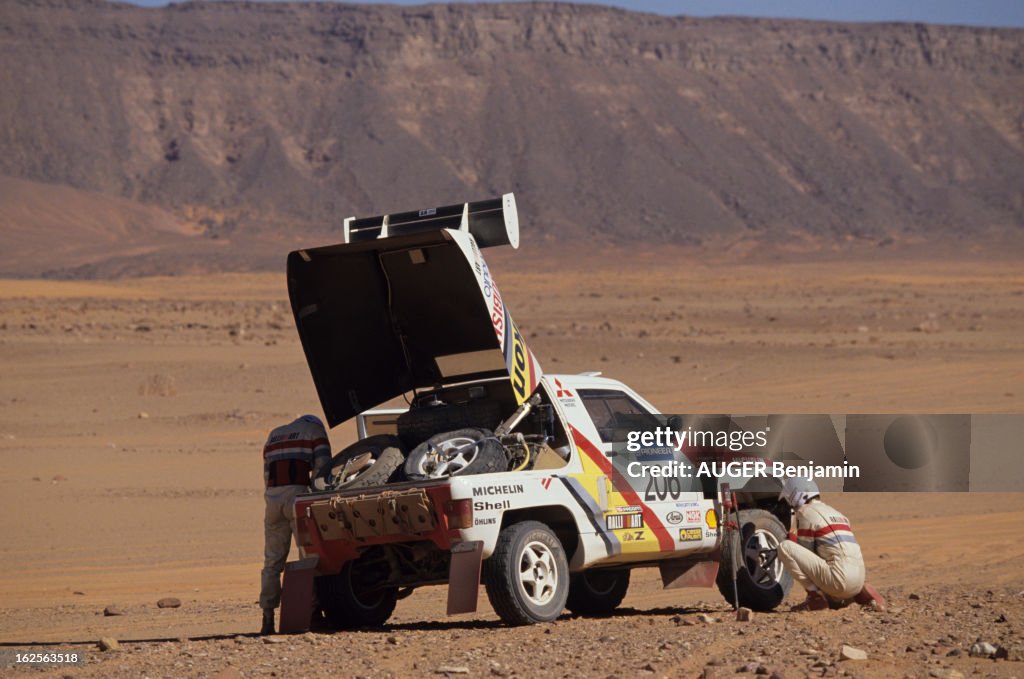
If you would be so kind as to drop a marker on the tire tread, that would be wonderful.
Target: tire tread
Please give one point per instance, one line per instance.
(750, 595)
(499, 579)
(490, 458)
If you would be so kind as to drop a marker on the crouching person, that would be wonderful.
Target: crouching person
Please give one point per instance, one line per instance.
(825, 557)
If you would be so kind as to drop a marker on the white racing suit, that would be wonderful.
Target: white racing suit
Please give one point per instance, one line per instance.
(292, 454)
(826, 555)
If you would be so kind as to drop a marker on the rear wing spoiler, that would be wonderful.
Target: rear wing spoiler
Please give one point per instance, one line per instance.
(492, 222)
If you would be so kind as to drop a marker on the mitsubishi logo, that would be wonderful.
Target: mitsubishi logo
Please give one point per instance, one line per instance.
(561, 392)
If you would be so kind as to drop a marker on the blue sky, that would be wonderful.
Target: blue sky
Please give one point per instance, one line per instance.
(970, 12)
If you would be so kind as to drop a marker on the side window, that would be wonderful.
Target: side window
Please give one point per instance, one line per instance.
(599, 414)
(615, 414)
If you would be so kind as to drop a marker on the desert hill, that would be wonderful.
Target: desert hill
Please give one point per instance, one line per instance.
(255, 126)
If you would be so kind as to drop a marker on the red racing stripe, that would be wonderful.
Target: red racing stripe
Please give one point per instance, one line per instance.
(665, 541)
(831, 528)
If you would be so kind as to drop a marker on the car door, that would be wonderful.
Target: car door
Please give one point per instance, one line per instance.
(652, 516)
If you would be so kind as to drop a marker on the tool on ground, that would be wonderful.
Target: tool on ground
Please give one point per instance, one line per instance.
(732, 529)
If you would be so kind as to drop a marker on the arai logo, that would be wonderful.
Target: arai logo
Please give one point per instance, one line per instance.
(674, 518)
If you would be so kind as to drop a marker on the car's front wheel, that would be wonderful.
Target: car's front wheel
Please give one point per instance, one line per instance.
(527, 576)
(752, 552)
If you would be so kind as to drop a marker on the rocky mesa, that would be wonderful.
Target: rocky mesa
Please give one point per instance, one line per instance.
(254, 127)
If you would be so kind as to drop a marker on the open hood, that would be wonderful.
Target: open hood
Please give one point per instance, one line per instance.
(409, 308)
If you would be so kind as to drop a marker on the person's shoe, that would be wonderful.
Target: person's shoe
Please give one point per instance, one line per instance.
(268, 622)
(869, 596)
(815, 601)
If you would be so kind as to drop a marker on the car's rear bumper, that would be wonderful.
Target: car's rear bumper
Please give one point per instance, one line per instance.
(337, 528)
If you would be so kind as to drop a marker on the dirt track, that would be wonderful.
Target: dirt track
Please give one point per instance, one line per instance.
(131, 415)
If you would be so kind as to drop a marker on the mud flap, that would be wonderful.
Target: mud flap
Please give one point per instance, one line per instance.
(297, 595)
(464, 577)
(676, 574)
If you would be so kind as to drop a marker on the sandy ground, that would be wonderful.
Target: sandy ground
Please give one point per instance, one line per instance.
(132, 415)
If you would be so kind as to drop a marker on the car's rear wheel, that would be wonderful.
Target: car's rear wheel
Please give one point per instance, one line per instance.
(456, 453)
(351, 599)
(597, 592)
(527, 576)
(761, 580)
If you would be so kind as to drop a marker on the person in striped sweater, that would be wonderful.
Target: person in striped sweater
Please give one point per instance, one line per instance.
(293, 454)
(822, 553)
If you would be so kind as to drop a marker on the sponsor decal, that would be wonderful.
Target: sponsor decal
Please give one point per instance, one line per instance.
(485, 522)
(518, 362)
(692, 516)
(626, 509)
(498, 314)
(633, 536)
(649, 454)
(491, 506)
(546, 483)
(428, 212)
(690, 535)
(674, 518)
(711, 519)
(560, 391)
(514, 489)
(687, 504)
(620, 521)
(710, 534)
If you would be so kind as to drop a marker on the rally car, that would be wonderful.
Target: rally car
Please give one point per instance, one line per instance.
(496, 472)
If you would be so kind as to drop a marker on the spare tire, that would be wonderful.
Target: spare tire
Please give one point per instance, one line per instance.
(417, 425)
(373, 461)
(761, 580)
(456, 453)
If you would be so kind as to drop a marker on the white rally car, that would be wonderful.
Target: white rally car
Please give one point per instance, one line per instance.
(496, 472)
